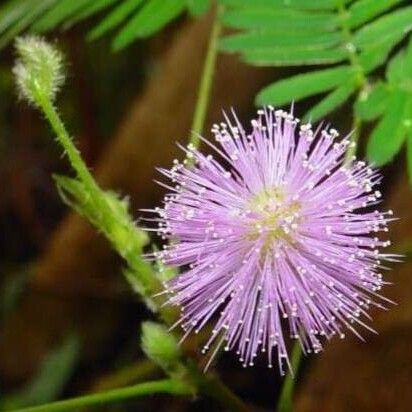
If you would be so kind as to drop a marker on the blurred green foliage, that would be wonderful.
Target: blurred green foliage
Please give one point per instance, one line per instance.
(352, 39)
(338, 44)
(48, 383)
(132, 19)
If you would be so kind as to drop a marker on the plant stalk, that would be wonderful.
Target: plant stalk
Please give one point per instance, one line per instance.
(65, 140)
(211, 385)
(206, 80)
(285, 403)
(170, 386)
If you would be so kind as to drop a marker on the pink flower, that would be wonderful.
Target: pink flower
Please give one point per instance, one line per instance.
(279, 234)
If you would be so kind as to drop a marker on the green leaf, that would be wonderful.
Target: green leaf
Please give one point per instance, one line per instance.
(397, 22)
(399, 70)
(396, 69)
(285, 19)
(304, 85)
(331, 101)
(60, 12)
(272, 39)
(55, 370)
(34, 9)
(297, 4)
(388, 136)
(377, 54)
(162, 348)
(197, 7)
(117, 227)
(12, 11)
(115, 17)
(154, 15)
(365, 10)
(92, 8)
(372, 103)
(75, 195)
(294, 57)
(110, 215)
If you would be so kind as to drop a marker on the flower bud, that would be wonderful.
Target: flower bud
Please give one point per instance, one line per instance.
(38, 70)
(161, 347)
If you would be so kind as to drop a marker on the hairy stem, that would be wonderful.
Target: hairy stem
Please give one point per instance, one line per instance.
(65, 141)
(108, 223)
(360, 74)
(285, 403)
(206, 80)
(170, 386)
(348, 36)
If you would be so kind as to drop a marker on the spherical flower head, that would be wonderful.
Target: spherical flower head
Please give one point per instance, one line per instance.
(279, 234)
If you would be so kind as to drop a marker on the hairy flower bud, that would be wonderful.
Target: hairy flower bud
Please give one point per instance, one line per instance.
(161, 347)
(38, 70)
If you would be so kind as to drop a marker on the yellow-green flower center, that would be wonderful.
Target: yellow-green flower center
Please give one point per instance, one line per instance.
(277, 216)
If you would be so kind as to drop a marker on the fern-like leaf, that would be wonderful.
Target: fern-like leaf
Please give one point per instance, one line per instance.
(394, 101)
(16, 16)
(60, 12)
(153, 15)
(372, 102)
(304, 85)
(89, 10)
(350, 34)
(132, 19)
(388, 136)
(331, 101)
(113, 19)
(340, 42)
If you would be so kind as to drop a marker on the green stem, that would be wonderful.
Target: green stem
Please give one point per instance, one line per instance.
(217, 390)
(205, 85)
(127, 375)
(361, 77)
(170, 386)
(211, 385)
(131, 254)
(285, 403)
(65, 141)
(348, 37)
